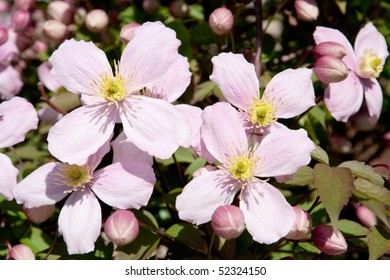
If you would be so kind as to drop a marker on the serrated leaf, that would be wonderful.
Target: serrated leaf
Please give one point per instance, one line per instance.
(378, 243)
(302, 177)
(360, 169)
(188, 235)
(320, 155)
(352, 228)
(366, 189)
(379, 209)
(334, 185)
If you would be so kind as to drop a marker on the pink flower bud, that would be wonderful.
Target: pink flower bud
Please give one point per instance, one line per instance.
(228, 221)
(4, 6)
(96, 20)
(151, 6)
(307, 10)
(61, 11)
(20, 19)
(221, 21)
(386, 138)
(121, 227)
(39, 47)
(330, 69)
(302, 225)
(179, 8)
(24, 4)
(329, 48)
(127, 32)
(3, 35)
(39, 214)
(328, 241)
(20, 252)
(55, 30)
(365, 215)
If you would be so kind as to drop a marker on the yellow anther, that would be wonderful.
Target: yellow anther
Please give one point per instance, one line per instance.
(262, 113)
(369, 65)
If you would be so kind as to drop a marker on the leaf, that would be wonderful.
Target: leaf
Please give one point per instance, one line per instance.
(182, 155)
(335, 185)
(188, 235)
(379, 209)
(146, 217)
(195, 165)
(352, 228)
(202, 91)
(360, 169)
(378, 243)
(196, 11)
(302, 177)
(36, 239)
(320, 155)
(309, 247)
(366, 189)
(30, 153)
(201, 34)
(318, 114)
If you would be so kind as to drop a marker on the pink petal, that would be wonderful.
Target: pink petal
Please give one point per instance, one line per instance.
(91, 99)
(124, 151)
(222, 131)
(236, 78)
(325, 34)
(283, 151)
(81, 133)
(268, 216)
(8, 51)
(293, 90)
(154, 125)
(95, 159)
(10, 82)
(80, 222)
(345, 98)
(17, 118)
(193, 115)
(77, 64)
(8, 176)
(373, 97)
(175, 80)
(149, 54)
(124, 184)
(41, 187)
(201, 196)
(46, 78)
(369, 38)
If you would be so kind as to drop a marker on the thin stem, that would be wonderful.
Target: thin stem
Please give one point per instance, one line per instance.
(233, 46)
(164, 181)
(315, 203)
(277, 11)
(210, 246)
(179, 170)
(303, 197)
(259, 36)
(303, 57)
(25, 230)
(46, 99)
(52, 245)
(274, 246)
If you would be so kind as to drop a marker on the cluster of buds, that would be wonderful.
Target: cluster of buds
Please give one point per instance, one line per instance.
(60, 14)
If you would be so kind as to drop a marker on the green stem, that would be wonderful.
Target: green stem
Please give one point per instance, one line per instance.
(210, 246)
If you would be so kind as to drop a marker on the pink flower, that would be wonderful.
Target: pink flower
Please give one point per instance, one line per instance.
(153, 125)
(122, 185)
(10, 82)
(365, 62)
(288, 94)
(268, 216)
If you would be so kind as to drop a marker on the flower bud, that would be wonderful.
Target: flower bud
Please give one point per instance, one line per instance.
(328, 241)
(39, 214)
(127, 32)
(179, 8)
(386, 138)
(307, 10)
(20, 19)
(330, 69)
(121, 227)
(20, 252)
(96, 20)
(365, 215)
(55, 30)
(228, 221)
(24, 4)
(221, 21)
(329, 48)
(151, 6)
(61, 11)
(39, 47)
(302, 225)
(3, 35)
(4, 6)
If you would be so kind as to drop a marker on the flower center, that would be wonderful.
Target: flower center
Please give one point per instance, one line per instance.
(241, 168)
(262, 113)
(369, 65)
(112, 88)
(74, 176)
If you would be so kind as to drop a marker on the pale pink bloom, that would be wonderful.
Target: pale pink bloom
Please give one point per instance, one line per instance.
(153, 125)
(10, 82)
(46, 78)
(122, 185)
(268, 216)
(8, 51)
(365, 62)
(288, 94)
(8, 176)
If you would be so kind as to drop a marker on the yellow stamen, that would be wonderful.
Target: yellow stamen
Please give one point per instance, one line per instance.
(262, 113)
(241, 168)
(74, 176)
(369, 65)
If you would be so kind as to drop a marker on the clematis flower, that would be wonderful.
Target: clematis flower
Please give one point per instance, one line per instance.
(288, 94)
(10, 82)
(122, 185)
(365, 62)
(268, 216)
(153, 125)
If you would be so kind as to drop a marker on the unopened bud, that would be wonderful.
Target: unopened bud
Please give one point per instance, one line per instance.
(127, 32)
(302, 225)
(228, 221)
(330, 69)
(24, 4)
(151, 6)
(365, 215)
(3, 35)
(4, 6)
(61, 11)
(329, 241)
(307, 10)
(96, 20)
(20, 19)
(39, 214)
(221, 21)
(20, 252)
(55, 30)
(329, 48)
(121, 227)
(179, 8)
(39, 47)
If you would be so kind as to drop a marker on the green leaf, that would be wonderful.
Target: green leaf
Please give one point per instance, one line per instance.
(182, 155)
(146, 217)
(379, 209)
(196, 11)
(302, 177)
(30, 153)
(378, 243)
(36, 239)
(320, 155)
(318, 114)
(366, 189)
(188, 235)
(360, 169)
(202, 91)
(335, 185)
(201, 34)
(195, 165)
(309, 247)
(352, 228)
